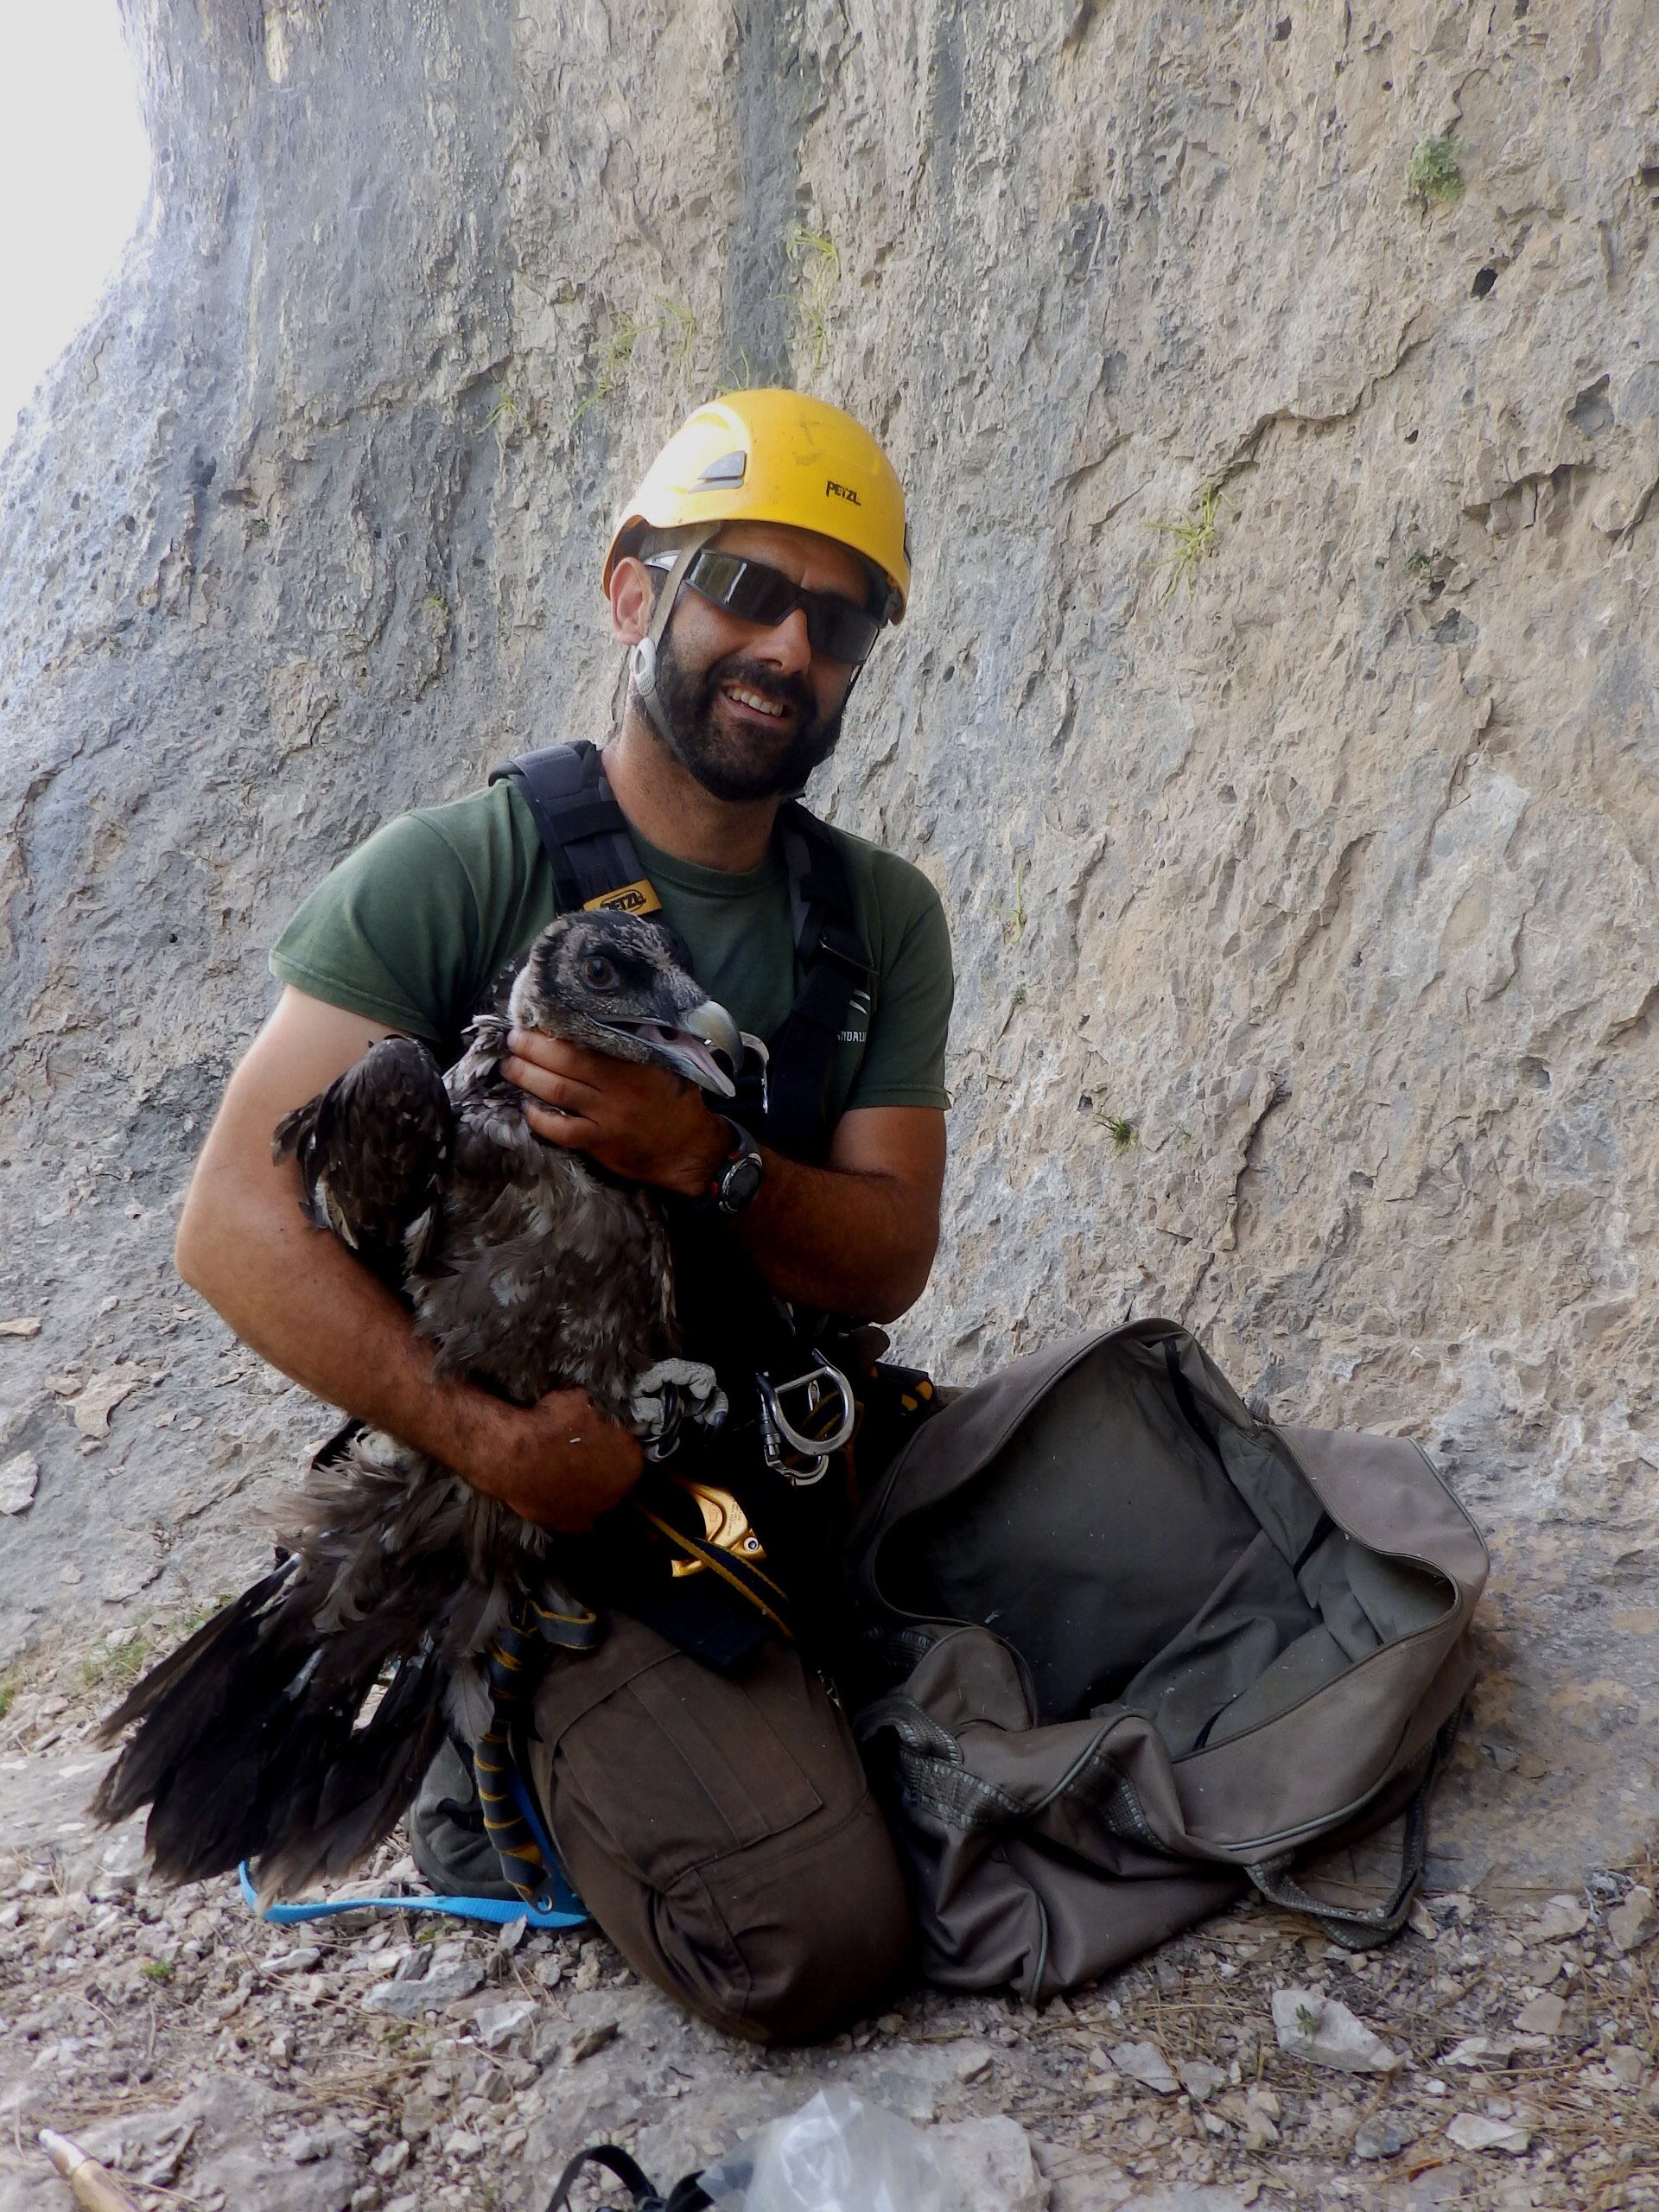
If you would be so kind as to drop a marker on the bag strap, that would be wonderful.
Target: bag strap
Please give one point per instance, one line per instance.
(1364, 1928)
(688, 2195)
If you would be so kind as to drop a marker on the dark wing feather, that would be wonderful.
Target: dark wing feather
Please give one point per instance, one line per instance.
(374, 1151)
(266, 1737)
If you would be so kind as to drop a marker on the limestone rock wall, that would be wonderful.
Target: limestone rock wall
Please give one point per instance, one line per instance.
(1277, 711)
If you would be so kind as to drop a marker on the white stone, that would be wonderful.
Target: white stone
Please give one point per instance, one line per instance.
(500, 2025)
(1324, 2032)
(1199, 2078)
(438, 1987)
(1474, 2131)
(18, 1479)
(1630, 1924)
(988, 2166)
(1146, 2063)
(1542, 2017)
(1561, 1917)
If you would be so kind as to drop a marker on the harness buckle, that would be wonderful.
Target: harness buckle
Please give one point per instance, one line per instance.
(784, 1446)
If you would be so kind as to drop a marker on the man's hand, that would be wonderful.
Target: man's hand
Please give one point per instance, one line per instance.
(646, 1124)
(559, 1463)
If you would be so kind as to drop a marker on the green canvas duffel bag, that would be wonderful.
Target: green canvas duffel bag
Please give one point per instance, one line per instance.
(1137, 1649)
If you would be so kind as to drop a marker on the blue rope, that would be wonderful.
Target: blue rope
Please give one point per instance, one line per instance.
(562, 1908)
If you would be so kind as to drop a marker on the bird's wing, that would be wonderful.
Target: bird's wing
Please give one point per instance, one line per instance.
(374, 1151)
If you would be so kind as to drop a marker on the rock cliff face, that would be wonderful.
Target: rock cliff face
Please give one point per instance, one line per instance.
(1278, 710)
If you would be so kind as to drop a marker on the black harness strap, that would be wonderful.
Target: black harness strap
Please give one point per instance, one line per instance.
(595, 863)
(583, 831)
(837, 971)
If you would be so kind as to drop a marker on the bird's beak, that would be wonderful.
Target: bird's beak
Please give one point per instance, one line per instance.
(689, 1047)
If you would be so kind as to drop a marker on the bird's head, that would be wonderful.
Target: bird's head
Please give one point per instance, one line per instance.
(622, 986)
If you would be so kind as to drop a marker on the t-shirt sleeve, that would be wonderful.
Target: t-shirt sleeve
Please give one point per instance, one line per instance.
(904, 1060)
(391, 933)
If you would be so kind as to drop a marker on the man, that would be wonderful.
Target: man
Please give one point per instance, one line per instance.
(717, 1823)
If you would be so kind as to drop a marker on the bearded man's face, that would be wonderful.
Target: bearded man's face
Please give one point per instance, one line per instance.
(729, 754)
(754, 710)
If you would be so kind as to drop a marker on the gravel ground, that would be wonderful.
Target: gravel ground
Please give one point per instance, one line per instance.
(398, 2063)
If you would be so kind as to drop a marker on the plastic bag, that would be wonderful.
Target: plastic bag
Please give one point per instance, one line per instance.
(836, 2154)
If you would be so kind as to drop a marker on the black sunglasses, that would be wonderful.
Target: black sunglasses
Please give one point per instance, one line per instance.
(837, 628)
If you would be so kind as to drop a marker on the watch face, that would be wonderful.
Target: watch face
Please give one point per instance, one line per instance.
(740, 1182)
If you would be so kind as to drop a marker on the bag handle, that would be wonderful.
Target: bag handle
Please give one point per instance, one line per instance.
(1364, 1928)
(1357, 1928)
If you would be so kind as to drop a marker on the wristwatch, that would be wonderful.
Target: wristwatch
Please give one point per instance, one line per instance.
(736, 1181)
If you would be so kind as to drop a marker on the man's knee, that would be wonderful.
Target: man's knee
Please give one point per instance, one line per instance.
(722, 1833)
(792, 1940)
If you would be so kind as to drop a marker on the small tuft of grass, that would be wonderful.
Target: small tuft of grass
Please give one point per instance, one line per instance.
(157, 1970)
(611, 358)
(1196, 537)
(1121, 1133)
(120, 1664)
(199, 1614)
(816, 259)
(505, 409)
(1434, 174)
(1420, 565)
(1012, 917)
(8, 1698)
(679, 328)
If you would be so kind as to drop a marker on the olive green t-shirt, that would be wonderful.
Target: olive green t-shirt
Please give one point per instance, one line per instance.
(413, 928)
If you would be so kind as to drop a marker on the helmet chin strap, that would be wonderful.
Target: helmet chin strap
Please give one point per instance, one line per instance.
(642, 661)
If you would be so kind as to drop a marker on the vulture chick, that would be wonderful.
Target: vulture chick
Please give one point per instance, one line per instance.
(528, 1268)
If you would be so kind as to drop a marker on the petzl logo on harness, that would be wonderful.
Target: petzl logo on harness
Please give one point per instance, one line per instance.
(633, 899)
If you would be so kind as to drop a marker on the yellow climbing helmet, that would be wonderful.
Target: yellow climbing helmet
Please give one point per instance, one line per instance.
(779, 457)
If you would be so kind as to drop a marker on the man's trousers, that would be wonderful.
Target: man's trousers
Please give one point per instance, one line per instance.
(719, 1828)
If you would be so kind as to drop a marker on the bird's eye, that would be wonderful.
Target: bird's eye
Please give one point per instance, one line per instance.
(598, 973)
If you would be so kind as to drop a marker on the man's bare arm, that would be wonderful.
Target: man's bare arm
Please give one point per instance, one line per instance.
(856, 1236)
(298, 1298)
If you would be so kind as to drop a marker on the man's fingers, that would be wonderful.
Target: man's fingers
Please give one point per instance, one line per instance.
(559, 1056)
(567, 1129)
(553, 1088)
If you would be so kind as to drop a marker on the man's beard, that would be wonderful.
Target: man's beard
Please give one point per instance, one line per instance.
(740, 764)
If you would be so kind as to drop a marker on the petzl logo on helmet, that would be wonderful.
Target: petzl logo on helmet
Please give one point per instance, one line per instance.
(843, 492)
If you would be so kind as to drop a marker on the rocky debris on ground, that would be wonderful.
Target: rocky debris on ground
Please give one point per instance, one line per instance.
(401, 2063)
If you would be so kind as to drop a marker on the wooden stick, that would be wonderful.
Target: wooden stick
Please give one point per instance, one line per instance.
(91, 2184)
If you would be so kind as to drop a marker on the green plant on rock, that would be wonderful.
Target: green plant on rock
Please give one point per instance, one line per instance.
(1196, 537)
(816, 259)
(121, 1663)
(1434, 174)
(679, 326)
(505, 409)
(1121, 1133)
(611, 357)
